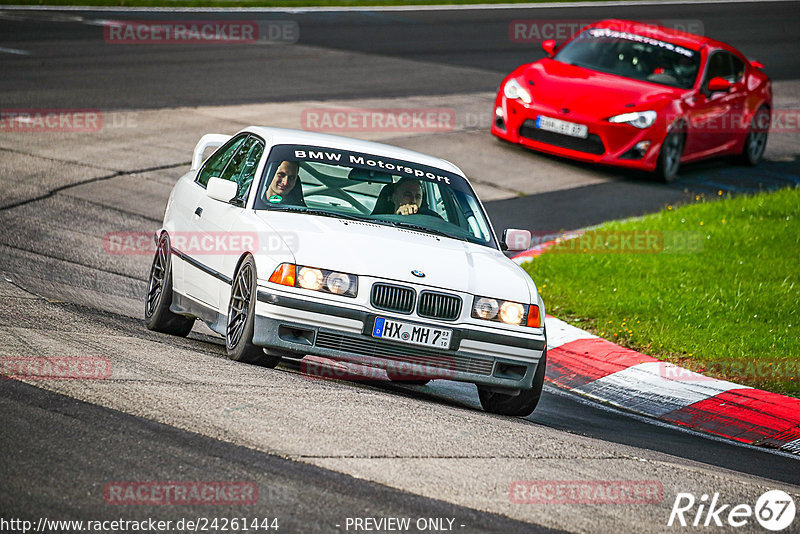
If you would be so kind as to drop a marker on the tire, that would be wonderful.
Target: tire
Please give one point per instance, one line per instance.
(756, 141)
(669, 158)
(241, 319)
(157, 315)
(521, 405)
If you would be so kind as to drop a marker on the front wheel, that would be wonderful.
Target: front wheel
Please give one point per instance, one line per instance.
(241, 318)
(157, 315)
(521, 405)
(756, 141)
(669, 158)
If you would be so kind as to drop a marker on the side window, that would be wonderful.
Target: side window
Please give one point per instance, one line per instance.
(738, 69)
(719, 64)
(242, 166)
(216, 163)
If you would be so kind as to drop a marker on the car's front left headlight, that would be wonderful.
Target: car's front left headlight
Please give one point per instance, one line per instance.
(513, 90)
(506, 311)
(288, 274)
(639, 119)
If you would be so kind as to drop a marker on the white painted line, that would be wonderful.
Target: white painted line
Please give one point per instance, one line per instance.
(560, 333)
(15, 51)
(792, 446)
(442, 7)
(647, 388)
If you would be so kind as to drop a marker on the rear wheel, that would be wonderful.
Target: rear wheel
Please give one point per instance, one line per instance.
(241, 318)
(669, 159)
(756, 141)
(520, 405)
(157, 315)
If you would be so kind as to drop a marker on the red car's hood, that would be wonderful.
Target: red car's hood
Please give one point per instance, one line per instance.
(588, 92)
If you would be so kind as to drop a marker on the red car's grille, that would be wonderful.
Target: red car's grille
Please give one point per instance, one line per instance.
(591, 145)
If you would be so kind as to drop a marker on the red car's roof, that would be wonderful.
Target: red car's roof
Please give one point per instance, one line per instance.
(680, 38)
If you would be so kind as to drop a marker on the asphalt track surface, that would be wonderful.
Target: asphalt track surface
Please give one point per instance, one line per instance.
(55, 447)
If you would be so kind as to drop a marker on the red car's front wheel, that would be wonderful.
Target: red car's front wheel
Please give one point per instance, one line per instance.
(756, 141)
(669, 159)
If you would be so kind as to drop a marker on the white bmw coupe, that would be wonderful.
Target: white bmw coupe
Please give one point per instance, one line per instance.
(293, 244)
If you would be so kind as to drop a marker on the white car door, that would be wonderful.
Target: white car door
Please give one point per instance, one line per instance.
(206, 220)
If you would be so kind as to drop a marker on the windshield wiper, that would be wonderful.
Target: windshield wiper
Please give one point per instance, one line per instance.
(425, 229)
(323, 213)
(299, 209)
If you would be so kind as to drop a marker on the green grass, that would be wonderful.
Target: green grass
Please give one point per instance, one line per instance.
(259, 3)
(732, 297)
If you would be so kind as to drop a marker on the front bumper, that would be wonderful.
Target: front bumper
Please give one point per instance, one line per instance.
(313, 327)
(608, 143)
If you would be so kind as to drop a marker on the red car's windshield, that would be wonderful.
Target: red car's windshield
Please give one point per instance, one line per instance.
(632, 56)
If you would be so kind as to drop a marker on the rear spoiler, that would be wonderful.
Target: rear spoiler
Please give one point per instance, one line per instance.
(207, 141)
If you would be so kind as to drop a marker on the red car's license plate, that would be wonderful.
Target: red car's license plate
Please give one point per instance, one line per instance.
(563, 127)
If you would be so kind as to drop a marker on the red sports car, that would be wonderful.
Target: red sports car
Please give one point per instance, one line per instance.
(636, 95)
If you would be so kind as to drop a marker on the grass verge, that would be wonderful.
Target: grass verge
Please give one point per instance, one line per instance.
(712, 286)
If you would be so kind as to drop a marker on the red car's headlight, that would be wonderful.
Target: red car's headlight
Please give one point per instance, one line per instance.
(513, 90)
(639, 119)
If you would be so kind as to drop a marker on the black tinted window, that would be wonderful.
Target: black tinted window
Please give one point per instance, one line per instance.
(738, 68)
(242, 166)
(719, 65)
(218, 160)
(632, 56)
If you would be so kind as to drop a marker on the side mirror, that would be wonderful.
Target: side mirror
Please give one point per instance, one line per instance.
(719, 84)
(222, 190)
(514, 239)
(549, 46)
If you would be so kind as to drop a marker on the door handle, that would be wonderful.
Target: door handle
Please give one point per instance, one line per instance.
(198, 211)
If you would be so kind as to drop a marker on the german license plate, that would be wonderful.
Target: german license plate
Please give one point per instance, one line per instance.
(563, 127)
(414, 334)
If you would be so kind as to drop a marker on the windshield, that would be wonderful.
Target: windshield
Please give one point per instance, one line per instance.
(632, 56)
(344, 184)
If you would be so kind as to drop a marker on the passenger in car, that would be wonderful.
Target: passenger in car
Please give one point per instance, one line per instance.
(283, 188)
(405, 197)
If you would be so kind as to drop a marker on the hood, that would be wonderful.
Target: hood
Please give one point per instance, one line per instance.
(388, 252)
(587, 92)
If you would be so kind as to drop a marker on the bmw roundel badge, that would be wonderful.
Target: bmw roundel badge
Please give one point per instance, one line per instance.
(418, 274)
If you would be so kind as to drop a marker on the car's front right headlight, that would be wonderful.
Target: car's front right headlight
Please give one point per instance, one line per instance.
(513, 90)
(288, 274)
(506, 311)
(639, 119)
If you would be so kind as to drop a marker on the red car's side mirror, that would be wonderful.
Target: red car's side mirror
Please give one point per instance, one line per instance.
(549, 46)
(719, 84)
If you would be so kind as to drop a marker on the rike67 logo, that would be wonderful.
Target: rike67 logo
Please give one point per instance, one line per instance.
(774, 510)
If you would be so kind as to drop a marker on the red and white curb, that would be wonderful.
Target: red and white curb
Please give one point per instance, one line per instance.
(606, 372)
(601, 370)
